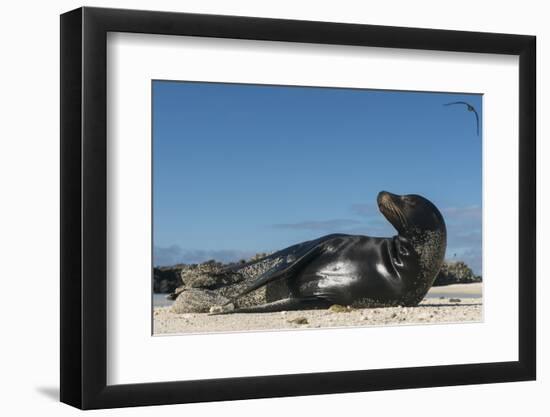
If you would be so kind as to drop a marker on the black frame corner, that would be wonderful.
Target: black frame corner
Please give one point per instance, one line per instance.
(84, 207)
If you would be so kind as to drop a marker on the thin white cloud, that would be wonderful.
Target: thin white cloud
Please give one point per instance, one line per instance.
(323, 225)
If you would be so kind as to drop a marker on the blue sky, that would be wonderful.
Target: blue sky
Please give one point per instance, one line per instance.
(240, 169)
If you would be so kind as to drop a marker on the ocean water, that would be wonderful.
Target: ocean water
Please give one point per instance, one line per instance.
(159, 300)
(453, 294)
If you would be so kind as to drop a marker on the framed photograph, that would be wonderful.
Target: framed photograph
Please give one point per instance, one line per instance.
(257, 207)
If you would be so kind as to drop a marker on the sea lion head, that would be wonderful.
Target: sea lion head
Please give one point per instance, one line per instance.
(421, 227)
(411, 214)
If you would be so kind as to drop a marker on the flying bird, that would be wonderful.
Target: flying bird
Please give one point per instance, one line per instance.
(470, 108)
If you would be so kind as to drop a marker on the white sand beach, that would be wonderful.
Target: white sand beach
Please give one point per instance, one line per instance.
(448, 304)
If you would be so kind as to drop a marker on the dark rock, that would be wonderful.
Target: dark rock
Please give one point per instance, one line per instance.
(166, 279)
(455, 272)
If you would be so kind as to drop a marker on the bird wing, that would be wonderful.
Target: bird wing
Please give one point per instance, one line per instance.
(457, 102)
(471, 108)
(477, 121)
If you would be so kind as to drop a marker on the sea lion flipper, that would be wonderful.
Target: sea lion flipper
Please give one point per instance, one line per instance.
(286, 304)
(294, 250)
(284, 271)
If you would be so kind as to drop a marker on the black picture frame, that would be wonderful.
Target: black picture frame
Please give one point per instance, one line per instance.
(84, 207)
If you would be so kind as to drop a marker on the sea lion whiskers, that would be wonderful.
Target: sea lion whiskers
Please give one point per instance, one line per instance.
(396, 211)
(401, 216)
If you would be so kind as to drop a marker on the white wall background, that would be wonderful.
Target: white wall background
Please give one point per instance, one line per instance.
(29, 226)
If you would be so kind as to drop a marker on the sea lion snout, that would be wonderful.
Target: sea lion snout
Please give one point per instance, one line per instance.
(390, 206)
(384, 198)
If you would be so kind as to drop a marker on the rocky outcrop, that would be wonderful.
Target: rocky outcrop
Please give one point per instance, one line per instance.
(455, 272)
(209, 275)
(200, 287)
(196, 300)
(167, 279)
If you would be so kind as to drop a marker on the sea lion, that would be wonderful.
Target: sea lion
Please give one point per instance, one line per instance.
(355, 270)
